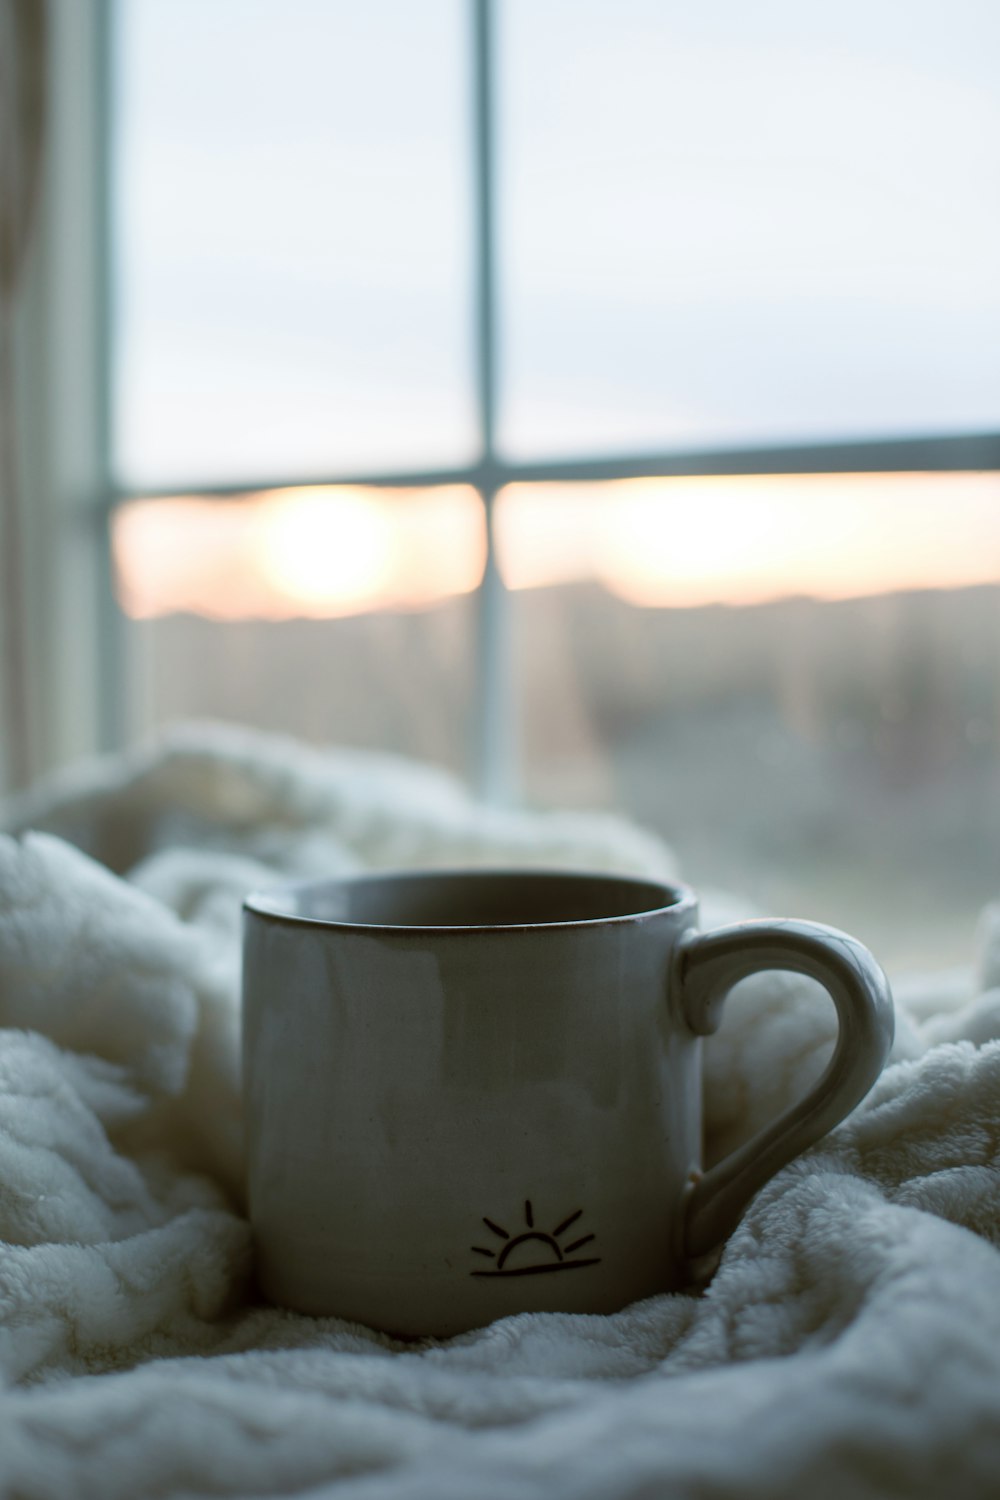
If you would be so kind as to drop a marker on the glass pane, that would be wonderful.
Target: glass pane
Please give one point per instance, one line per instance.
(344, 615)
(731, 224)
(292, 251)
(794, 680)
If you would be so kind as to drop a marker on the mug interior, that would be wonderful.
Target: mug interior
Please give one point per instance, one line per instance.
(469, 898)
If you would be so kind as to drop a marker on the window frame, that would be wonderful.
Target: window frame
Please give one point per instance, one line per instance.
(496, 758)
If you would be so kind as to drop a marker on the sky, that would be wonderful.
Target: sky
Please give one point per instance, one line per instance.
(718, 225)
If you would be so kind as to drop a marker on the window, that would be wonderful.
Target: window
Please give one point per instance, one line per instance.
(603, 396)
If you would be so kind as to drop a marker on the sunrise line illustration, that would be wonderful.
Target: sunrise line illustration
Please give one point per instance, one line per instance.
(549, 1239)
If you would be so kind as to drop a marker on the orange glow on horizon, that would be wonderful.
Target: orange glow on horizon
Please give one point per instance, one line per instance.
(323, 552)
(317, 552)
(673, 543)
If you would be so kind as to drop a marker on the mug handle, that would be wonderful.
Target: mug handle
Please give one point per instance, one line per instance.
(708, 965)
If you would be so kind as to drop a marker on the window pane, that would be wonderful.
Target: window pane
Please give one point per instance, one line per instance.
(292, 250)
(731, 224)
(794, 680)
(344, 615)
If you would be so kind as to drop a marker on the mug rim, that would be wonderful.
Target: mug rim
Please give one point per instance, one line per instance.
(265, 903)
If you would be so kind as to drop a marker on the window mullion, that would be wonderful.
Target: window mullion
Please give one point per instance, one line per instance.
(495, 730)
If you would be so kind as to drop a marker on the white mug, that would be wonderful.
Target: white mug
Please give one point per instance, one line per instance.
(475, 1093)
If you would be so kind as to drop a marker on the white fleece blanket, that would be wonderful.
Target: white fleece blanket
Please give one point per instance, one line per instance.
(849, 1345)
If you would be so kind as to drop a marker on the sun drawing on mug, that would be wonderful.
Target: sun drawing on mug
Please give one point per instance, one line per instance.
(550, 1256)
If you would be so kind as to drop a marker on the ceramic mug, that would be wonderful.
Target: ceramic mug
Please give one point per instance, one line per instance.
(475, 1093)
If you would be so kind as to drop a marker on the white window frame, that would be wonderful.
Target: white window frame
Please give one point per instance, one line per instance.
(81, 655)
(61, 413)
